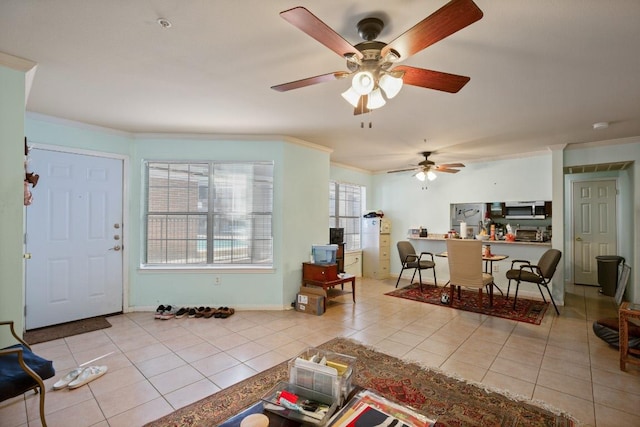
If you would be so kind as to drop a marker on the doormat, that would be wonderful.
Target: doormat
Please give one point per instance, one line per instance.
(50, 333)
(527, 310)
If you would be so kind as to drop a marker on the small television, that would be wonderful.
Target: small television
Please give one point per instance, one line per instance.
(336, 236)
(324, 254)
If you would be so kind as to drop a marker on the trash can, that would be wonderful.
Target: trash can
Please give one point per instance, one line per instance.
(608, 273)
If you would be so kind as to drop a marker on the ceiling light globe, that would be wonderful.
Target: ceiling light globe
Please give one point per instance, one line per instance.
(376, 100)
(431, 175)
(390, 85)
(351, 96)
(363, 82)
(420, 176)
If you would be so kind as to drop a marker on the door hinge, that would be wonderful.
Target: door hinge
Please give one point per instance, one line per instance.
(25, 311)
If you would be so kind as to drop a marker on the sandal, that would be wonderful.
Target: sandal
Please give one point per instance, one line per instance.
(88, 374)
(159, 311)
(218, 313)
(182, 312)
(64, 381)
(208, 312)
(226, 312)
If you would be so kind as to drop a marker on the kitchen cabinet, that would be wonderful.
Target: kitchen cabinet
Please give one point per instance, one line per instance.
(376, 247)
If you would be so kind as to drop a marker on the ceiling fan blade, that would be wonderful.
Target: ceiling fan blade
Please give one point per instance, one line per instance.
(401, 170)
(445, 21)
(310, 81)
(306, 21)
(451, 165)
(439, 169)
(430, 79)
(362, 106)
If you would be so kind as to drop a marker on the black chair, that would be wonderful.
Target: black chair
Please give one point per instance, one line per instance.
(539, 274)
(410, 259)
(21, 370)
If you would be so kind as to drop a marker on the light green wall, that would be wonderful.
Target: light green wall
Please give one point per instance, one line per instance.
(12, 105)
(628, 198)
(300, 211)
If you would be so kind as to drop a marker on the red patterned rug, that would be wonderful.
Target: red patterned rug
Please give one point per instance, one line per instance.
(527, 310)
(452, 402)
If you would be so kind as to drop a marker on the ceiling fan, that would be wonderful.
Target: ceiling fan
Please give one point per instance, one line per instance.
(371, 62)
(427, 169)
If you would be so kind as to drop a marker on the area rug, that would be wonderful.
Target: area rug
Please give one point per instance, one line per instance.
(452, 402)
(68, 329)
(527, 310)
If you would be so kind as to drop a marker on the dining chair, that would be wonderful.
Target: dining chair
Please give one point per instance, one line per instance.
(409, 259)
(540, 274)
(465, 268)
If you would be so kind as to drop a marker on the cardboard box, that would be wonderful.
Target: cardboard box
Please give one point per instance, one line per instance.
(311, 299)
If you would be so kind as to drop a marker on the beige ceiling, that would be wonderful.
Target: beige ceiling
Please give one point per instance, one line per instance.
(542, 72)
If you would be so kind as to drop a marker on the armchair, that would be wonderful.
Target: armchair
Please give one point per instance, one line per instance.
(410, 259)
(21, 370)
(540, 274)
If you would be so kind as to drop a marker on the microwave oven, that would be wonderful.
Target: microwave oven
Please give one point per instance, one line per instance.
(525, 210)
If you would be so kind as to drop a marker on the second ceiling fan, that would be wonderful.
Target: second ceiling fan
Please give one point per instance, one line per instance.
(427, 169)
(371, 63)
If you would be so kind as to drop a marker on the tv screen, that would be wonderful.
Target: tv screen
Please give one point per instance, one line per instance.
(336, 236)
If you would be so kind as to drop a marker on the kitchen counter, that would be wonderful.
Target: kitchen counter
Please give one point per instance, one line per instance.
(440, 237)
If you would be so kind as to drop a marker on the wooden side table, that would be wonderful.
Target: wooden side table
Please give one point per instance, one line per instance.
(627, 311)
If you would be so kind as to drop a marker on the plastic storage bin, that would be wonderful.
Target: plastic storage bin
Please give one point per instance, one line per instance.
(317, 408)
(323, 371)
(324, 254)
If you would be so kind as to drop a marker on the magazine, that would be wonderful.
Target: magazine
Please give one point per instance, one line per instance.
(368, 409)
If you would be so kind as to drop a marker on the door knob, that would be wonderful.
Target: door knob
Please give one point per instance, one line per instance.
(578, 239)
(115, 248)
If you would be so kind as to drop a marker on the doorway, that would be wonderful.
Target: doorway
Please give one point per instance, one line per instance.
(74, 234)
(594, 227)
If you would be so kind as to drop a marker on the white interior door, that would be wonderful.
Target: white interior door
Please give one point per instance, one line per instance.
(74, 235)
(594, 227)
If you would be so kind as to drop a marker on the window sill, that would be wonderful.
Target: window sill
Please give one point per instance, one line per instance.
(207, 269)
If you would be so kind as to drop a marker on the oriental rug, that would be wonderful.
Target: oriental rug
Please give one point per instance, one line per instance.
(451, 401)
(50, 333)
(527, 310)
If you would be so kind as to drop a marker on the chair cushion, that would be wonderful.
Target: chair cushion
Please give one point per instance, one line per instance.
(13, 379)
(526, 276)
(423, 264)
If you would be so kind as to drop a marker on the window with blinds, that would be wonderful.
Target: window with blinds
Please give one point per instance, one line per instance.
(209, 214)
(346, 202)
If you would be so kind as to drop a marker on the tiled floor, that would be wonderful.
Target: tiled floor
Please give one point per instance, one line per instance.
(158, 366)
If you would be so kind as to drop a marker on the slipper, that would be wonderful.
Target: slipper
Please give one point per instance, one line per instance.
(88, 374)
(64, 381)
(226, 312)
(200, 311)
(208, 312)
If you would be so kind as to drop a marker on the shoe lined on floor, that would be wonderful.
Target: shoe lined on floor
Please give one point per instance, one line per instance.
(159, 311)
(64, 381)
(226, 312)
(182, 312)
(87, 375)
(168, 313)
(208, 312)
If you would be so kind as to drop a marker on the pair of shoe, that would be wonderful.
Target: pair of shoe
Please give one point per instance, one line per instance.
(223, 312)
(79, 377)
(196, 312)
(165, 312)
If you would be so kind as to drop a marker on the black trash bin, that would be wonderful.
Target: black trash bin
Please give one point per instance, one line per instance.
(608, 273)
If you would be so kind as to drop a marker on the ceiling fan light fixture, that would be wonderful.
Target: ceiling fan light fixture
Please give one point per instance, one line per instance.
(363, 82)
(351, 96)
(431, 175)
(376, 100)
(420, 176)
(391, 85)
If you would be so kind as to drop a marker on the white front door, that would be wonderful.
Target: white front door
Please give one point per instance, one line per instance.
(594, 227)
(74, 235)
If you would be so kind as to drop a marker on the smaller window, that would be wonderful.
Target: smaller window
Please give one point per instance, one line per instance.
(345, 208)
